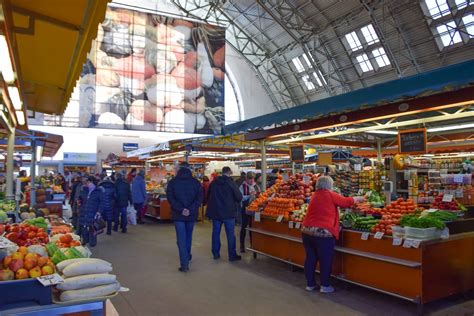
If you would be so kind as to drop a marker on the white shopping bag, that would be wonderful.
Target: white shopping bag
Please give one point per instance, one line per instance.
(131, 216)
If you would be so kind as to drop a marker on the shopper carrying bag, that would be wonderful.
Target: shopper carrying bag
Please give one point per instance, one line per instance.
(90, 202)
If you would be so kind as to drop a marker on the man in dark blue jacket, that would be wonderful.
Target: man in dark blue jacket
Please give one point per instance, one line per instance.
(223, 198)
(185, 195)
(90, 202)
(123, 195)
(108, 202)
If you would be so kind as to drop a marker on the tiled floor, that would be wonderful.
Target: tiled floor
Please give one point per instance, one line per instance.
(146, 261)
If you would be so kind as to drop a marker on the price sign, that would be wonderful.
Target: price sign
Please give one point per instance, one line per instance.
(285, 176)
(290, 225)
(279, 218)
(365, 236)
(257, 217)
(397, 241)
(458, 178)
(360, 192)
(306, 179)
(415, 243)
(407, 243)
(48, 280)
(357, 167)
(447, 198)
(378, 235)
(459, 192)
(298, 225)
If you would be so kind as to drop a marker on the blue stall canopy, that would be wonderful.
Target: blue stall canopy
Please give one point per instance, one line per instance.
(444, 79)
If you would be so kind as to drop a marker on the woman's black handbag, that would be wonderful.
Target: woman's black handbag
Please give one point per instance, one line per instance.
(98, 224)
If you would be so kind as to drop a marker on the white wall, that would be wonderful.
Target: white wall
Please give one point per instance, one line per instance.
(255, 100)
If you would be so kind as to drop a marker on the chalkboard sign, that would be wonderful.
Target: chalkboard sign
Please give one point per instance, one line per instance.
(258, 165)
(412, 141)
(297, 153)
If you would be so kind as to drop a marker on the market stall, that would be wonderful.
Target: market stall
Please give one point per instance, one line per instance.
(411, 156)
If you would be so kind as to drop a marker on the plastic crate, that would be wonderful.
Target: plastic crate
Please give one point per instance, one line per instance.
(28, 291)
(421, 233)
(398, 231)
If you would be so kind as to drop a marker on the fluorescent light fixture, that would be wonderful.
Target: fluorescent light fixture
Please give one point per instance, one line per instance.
(383, 132)
(20, 115)
(39, 152)
(15, 97)
(428, 155)
(450, 128)
(6, 63)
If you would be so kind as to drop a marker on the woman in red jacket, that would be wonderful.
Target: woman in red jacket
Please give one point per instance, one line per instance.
(321, 230)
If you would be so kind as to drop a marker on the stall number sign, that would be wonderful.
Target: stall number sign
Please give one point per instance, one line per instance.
(48, 280)
(412, 141)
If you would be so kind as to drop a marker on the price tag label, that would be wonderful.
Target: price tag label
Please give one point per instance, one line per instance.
(365, 236)
(298, 225)
(360, 192)
(458, 178)
(257, 217)
(447, 198)
(357, 167)
(378, 235)
(48, 280)
(407, 243)
(306, 179)
(397, 241)
(290, 224)
(279, 218)
(415, 243)
(285, 176)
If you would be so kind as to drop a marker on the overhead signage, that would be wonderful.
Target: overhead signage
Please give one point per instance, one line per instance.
(126, 147)
(412, 141)
(297, 153)
(80, 157)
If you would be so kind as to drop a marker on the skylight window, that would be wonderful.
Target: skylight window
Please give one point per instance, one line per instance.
(449, 34)
(468, 21)
(381, 57)
(353, 40)
(309, 85)
(364, 63)
(437, 8)
(369, 34)
(462, 3)
(317, 79)
(320, 79)
(306, 59)
(298, 65)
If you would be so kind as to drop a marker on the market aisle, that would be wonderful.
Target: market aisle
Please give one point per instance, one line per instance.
(145, 260)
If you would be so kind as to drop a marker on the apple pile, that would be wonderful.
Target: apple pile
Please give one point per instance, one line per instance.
(23, 265)
(26, 234)
(296, 188)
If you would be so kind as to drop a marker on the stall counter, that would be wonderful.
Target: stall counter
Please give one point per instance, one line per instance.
(158, 207)
(436, 269)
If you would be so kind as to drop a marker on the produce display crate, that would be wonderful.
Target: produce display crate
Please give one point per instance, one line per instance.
(28, 291)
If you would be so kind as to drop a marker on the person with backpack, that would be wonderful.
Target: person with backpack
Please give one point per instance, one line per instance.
(184, 193)
(123, 193)
(223, 200)
(250, 190)
(108, 202)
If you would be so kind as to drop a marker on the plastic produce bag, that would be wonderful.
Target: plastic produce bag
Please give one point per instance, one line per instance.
(131, 216)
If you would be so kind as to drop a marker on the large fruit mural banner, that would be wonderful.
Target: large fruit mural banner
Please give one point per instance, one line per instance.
(155, 73)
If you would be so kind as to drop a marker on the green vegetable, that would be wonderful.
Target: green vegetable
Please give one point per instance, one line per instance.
(73, 253)
(52, 249)
(444, 216)
(58, 257)
(421, 222)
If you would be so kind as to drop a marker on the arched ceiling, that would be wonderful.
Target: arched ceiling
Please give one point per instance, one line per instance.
(308, 50)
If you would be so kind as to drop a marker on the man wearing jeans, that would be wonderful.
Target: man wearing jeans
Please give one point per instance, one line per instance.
(223, 199)
(184, 193)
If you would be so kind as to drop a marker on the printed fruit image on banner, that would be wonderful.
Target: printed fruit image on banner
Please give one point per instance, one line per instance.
(155, 73)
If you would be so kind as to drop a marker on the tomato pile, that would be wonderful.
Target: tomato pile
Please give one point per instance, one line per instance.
(392, 214)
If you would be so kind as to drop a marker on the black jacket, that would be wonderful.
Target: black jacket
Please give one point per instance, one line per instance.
(184, 191)
(223, 198)
(123, 193)
(108, 199)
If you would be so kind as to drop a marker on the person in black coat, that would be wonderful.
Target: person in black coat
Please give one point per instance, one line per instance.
(90, 202)
(223, 198)
(123, 194)
(108, 202)
(75, 192)
(185, 195)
